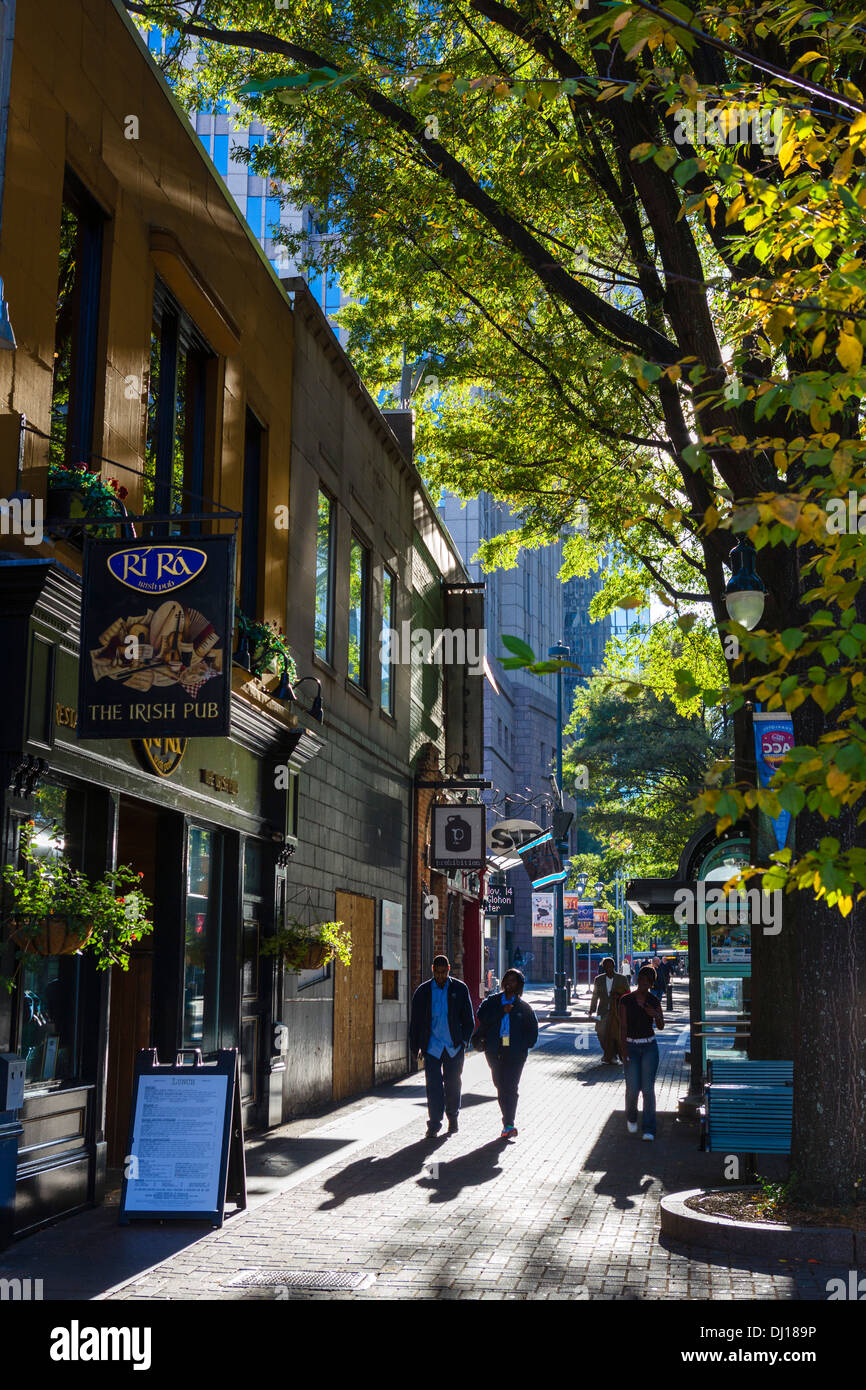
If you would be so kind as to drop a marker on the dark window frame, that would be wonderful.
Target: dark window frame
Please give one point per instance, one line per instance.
(362, 681)
(388, 619)
(326, 655)
(250, 562)
(77, 445)
(178, 337)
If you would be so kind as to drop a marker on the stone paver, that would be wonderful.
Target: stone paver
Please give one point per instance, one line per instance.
(568, 1211)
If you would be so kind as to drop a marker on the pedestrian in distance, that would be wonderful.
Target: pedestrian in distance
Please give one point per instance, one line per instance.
(441, 1023)
(507, 1029)
(639, 1011)
(607, 990)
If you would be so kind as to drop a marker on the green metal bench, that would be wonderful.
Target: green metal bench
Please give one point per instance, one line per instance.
(748, 1119)
(723, 1072)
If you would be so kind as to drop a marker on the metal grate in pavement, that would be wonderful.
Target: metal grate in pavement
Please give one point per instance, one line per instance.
(298, 1279)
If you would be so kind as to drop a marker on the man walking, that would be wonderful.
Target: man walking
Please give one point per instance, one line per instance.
(608, 989)
(507, 1029)
(441, 1023)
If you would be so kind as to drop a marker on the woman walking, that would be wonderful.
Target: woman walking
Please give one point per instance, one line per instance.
(507, 1029)
(639, 1010)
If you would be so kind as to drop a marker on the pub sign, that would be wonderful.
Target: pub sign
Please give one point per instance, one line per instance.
(156, 633)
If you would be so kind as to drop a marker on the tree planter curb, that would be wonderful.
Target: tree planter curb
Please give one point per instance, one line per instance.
(827, 1244)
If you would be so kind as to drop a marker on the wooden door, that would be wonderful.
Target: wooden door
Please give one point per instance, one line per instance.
(355, 999)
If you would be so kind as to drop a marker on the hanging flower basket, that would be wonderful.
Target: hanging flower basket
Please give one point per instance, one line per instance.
(50, 936)
(316, 957)
(56, 910)
(308, 946)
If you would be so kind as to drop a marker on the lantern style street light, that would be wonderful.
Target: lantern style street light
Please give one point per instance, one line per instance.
(745, 590)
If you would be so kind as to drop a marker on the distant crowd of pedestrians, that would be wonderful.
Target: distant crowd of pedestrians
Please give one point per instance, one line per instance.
(443, 1024)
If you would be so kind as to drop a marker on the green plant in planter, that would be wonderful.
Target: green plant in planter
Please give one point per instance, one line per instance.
(304, 947)
(98, 496)
(268, 648)
(54, 903)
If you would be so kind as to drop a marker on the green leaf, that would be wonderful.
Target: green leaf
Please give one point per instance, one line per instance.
(519, 648)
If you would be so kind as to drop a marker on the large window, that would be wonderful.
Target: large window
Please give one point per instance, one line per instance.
(253, 443)
(77, 323)
(386, 693)
(324, 576)
(359, 572)
(176, 413)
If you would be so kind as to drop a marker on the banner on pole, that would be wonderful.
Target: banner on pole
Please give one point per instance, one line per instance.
(774, 739)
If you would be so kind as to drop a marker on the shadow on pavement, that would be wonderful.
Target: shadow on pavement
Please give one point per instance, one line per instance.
(450, 1176)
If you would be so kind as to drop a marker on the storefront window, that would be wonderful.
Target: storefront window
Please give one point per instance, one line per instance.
(202, 954)
(49, 1021)
(50, 984)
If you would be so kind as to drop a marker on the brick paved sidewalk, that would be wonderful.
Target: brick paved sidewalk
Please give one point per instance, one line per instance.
(568, 1211)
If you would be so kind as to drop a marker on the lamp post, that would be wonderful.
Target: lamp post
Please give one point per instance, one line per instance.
(560, 988)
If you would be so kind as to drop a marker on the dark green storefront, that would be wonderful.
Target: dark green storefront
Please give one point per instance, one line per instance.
(206, 823)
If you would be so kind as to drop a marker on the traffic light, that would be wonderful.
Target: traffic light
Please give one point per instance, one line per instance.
(654, 945)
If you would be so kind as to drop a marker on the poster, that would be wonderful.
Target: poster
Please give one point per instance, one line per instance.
(543, 909)
(500, 901)
(156, 638)
(177, 1143)
(392, 936)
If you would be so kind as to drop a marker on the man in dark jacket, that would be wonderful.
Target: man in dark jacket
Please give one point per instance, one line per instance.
(440, 1025)
(507, 1029)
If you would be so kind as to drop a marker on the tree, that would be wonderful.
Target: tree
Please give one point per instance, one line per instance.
(646, 763)
(662, 301)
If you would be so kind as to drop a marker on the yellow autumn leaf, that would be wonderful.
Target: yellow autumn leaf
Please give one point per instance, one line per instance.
(837, 781)
(850, 352)
(818, 343)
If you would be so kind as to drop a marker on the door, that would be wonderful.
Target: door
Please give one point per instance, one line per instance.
(253, 970)
(131, 990)
(355, 999)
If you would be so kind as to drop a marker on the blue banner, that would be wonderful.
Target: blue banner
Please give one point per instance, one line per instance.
(774, 739)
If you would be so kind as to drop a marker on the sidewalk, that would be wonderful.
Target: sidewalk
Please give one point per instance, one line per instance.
(568, 1211)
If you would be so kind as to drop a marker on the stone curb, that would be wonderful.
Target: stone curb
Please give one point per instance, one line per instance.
(827, 1244)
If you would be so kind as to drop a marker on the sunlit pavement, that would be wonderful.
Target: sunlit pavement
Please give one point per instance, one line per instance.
(567, 1211)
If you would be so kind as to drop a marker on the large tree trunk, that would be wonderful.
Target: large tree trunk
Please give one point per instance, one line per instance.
(828, 1152)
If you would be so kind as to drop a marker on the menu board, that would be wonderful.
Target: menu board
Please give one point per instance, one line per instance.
(177, 1141)
(180, 1131)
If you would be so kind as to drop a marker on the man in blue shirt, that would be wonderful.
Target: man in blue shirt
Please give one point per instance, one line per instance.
(441, 1023)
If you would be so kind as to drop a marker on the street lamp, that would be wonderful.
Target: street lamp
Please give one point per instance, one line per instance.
(745, 590)
(560, 988)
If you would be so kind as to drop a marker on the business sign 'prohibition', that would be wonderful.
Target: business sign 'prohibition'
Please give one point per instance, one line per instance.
(458, 836)
(156, 632)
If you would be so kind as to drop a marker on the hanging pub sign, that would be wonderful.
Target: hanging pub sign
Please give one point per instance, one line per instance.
(458, 839)
(156, 632)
